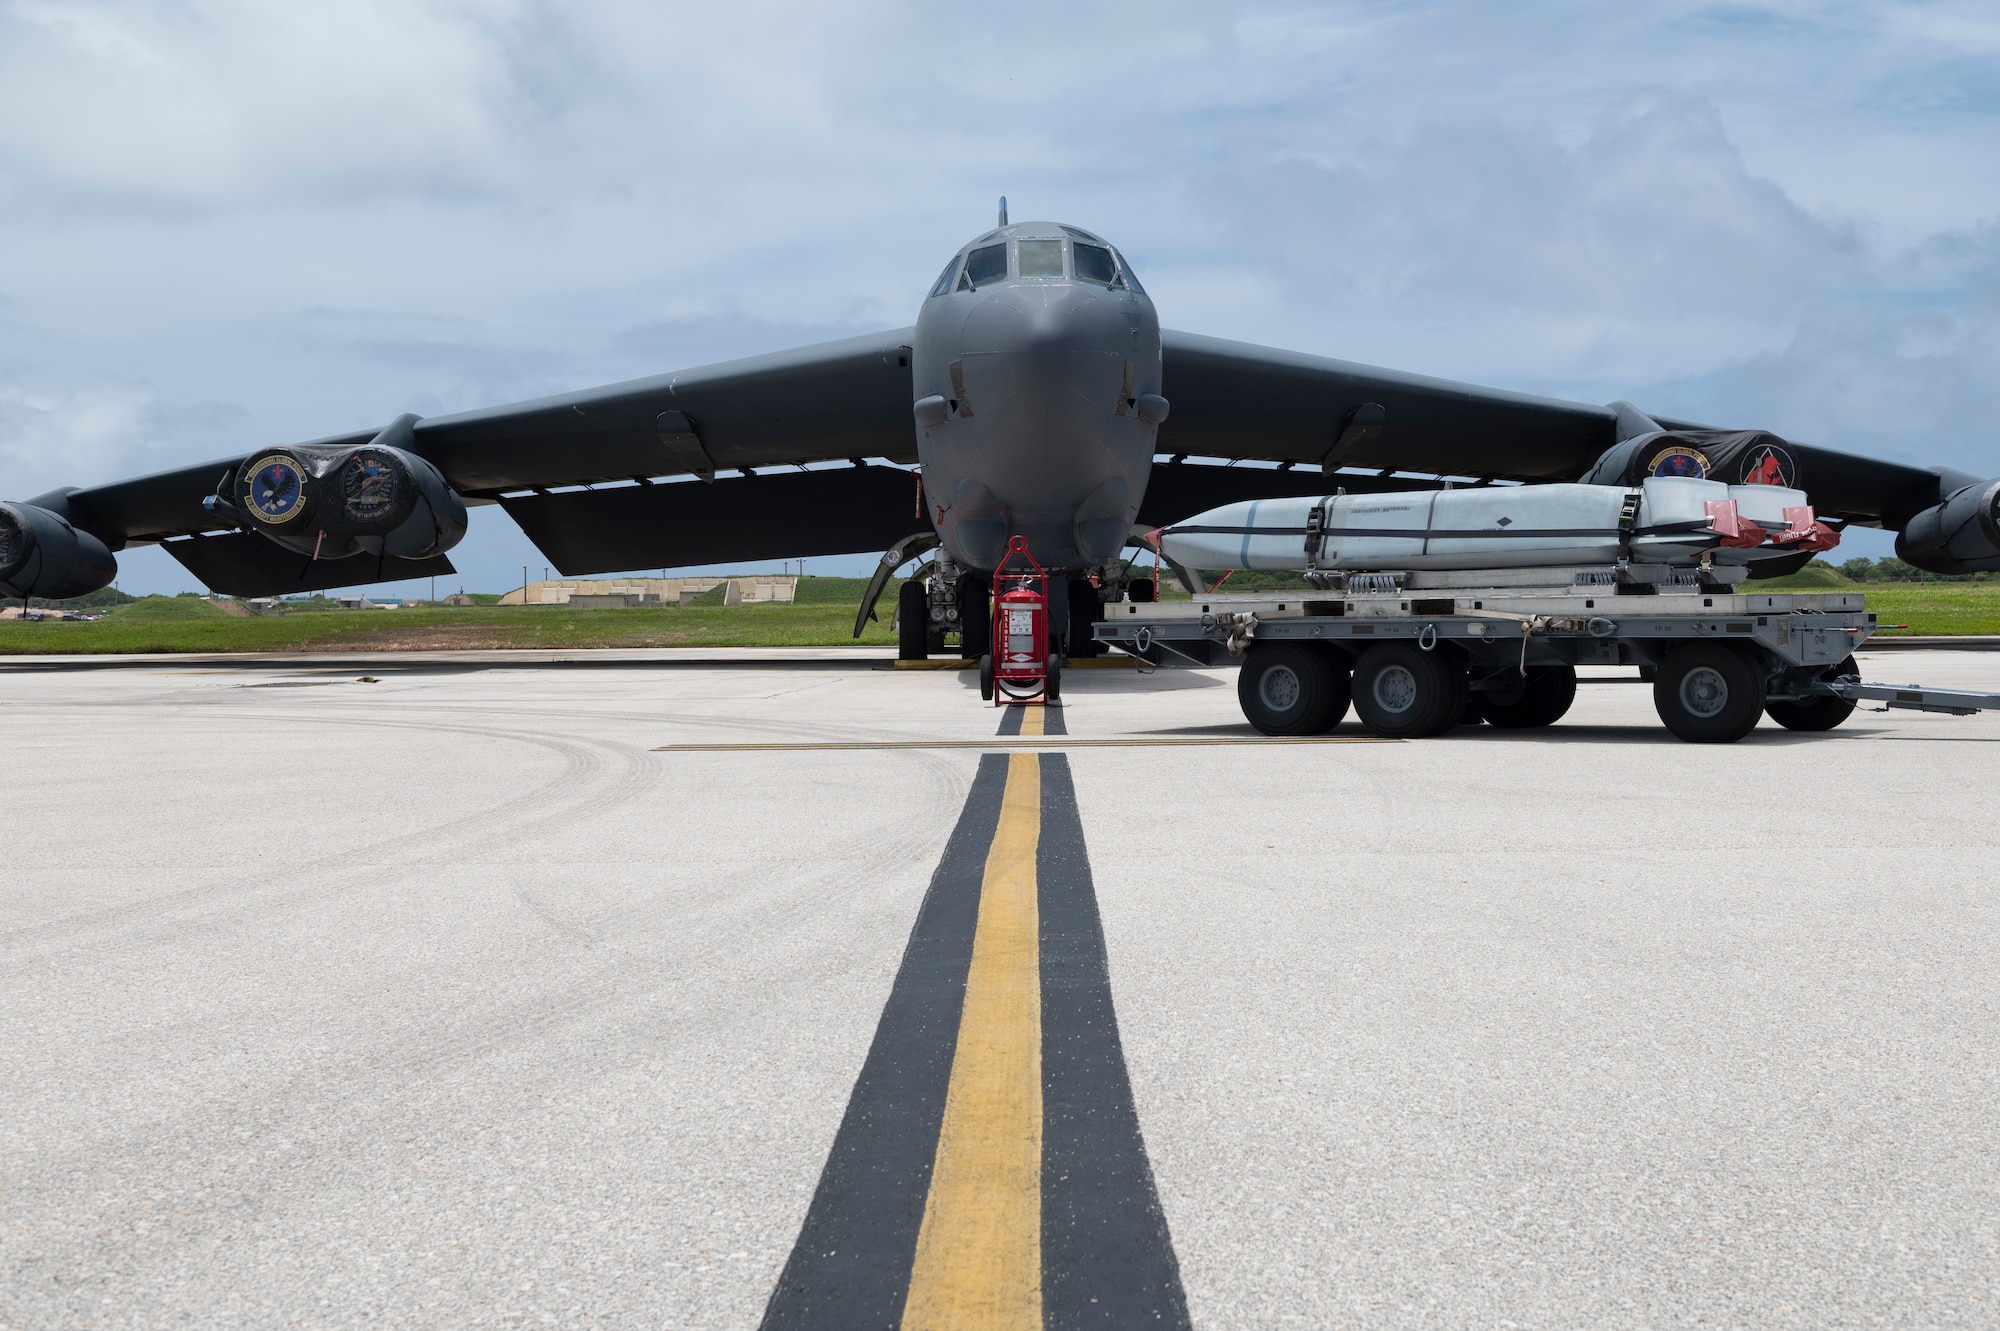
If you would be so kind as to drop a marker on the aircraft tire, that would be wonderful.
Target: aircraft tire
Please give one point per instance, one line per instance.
(1819, 713)
(1403, 692)
(986, 677)
(1542, 699)
(975, 617)
(1288, 689)
(1708, 693)
(913, 622)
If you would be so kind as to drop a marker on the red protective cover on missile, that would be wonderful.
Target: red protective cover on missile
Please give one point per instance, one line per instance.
(1805, 531)
(1737, 532)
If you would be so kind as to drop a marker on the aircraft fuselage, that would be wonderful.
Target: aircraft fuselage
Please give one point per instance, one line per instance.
(1036, 372)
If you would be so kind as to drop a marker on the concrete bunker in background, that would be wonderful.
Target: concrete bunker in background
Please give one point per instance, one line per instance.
(623, 593)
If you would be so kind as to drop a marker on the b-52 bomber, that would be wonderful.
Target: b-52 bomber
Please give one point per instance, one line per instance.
(1036, 395)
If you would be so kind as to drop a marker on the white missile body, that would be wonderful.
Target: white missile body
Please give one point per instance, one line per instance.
(1489, 527)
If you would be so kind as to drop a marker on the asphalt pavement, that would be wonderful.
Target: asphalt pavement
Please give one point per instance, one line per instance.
(498, 992)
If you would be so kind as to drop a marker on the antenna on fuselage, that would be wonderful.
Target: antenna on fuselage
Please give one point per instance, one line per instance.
(1003, 210)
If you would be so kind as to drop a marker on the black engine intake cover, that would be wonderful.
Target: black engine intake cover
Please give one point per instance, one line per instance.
(42, 555)
(1961, 535)
(330, 503)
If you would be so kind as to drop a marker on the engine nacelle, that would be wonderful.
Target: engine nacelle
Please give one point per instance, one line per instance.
(380, 498)
(42, 555)
(1961, 535)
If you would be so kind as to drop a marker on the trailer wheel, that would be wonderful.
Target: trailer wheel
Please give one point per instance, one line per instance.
(1403, 693)
(986, 677)
(913, 622)
(1541, 699)
(1287, 689)
(1333, 664)
(1816, 713)
(1708, 693)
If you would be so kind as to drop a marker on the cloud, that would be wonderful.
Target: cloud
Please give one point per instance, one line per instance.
(1770, 213)
(50, 438)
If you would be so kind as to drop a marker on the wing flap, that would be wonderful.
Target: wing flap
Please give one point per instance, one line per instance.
(1180, 490)
(245, 564)
(790, 515)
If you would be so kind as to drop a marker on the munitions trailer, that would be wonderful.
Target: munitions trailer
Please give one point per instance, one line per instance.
(1416, 654)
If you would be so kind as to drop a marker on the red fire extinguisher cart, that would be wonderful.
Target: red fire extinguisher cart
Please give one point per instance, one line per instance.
(1020, 667)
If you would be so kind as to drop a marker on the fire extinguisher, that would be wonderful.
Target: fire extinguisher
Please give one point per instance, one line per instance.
(1018, 666)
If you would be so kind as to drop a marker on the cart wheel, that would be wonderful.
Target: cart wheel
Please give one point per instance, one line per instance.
(1708, 693)
(975, 617)
(1541, 699)
(1288, 689)
(986, 677)
(1333, 663)
(1403, 693)
(1818, 713)
(1052, 684)
(913, 622)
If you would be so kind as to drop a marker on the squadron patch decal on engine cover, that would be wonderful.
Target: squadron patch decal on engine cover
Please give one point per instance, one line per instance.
(1768, 464)
(1679, 460)
(275, 488)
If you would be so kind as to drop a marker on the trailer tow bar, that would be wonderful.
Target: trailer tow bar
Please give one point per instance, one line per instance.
(1956, 702)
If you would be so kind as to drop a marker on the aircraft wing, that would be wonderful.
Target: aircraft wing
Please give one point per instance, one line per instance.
(1238, 401)
(845, 401)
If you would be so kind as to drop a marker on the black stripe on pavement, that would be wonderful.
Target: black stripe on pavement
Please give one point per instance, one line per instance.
(1013, 714)
(1107, 1259)
(851, 1264)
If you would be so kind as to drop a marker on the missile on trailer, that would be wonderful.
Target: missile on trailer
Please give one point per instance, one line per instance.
(1664, 520)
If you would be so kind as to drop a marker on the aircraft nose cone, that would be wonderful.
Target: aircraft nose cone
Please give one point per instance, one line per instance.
(1045, 426)
(1042, 320)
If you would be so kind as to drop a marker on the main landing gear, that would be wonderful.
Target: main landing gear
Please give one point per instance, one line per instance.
(943, 603)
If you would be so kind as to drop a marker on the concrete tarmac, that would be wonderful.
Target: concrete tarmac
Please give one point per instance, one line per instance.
(450, 1000)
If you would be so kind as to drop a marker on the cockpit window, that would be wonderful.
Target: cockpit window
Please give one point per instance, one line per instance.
(1093, 264)
(944, 278)
(1130, 276)
(984, 265)
(1041, 258)
(1077, 233)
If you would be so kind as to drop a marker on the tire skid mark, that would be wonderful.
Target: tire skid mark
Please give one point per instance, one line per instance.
(578, 785)
(332, 1108)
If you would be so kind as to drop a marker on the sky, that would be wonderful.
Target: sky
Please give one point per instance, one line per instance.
(226, 224)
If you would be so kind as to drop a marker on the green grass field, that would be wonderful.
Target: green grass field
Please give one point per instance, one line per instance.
(822, 616)
(1930, 609)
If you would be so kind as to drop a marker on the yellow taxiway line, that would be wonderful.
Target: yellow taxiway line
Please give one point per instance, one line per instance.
(979, 1252)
